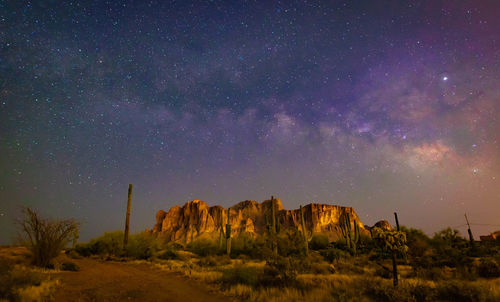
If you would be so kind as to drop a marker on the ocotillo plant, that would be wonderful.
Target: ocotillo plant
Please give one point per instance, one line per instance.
(127, 218)
(228, 233)
(304, 231)
(350, 237)
(221, 233)
(395, 242)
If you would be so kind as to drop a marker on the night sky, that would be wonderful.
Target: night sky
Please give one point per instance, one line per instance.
(380, 105)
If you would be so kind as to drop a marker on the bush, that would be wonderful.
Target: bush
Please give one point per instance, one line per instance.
(333, 254)
(280, 272)
(202, 247)
(244, 244)
(45, 238)
(13, 278)
(240, 275)
(70, 266)
(462, 291)
(291, 243)
(214, 261)
(108, 244)
(488, 268)
(169, 253)
(142, 246)
(319, 242)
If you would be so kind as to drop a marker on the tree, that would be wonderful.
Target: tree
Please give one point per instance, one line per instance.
(44, 237)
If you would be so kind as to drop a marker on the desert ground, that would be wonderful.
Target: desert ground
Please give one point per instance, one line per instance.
(101, 280)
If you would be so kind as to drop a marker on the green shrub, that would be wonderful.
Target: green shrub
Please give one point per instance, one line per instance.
(108, 244)
(169, 253)
(70, 266)
(244, 244)
(280, 272)
(488, 268)
(203, 247)
(142, 246)
(291, 243)
(240, 274)
(319, 242)
(333, 254)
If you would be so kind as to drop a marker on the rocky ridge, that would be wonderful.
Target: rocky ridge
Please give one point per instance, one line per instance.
(198, 220)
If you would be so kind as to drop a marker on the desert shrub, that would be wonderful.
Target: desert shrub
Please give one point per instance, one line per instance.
(383, 291)
(202, 247)
(383, 271)
(142, 246)
(240, 274)
(333, 254)
(44, 237)
(83, 249)
(70, 266)
(280, 272)
(291, 243)
(169, 252)
(319, 242)
(213, 261)
(488, 268)
(462, 291)
(110, 243)
(450, 248)
(13, 278)
(244, 244)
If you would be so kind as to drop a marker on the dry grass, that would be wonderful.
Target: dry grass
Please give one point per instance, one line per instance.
(41, 292)
(349, 284)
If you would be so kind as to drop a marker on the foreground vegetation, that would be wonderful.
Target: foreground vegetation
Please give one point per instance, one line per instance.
(281, 265)
(445, 267)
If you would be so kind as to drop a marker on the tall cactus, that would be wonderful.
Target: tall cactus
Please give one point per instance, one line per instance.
(228, 233)
(304, 231)
(221, 233)
(274, 229)
(351, 237)
(127, 218)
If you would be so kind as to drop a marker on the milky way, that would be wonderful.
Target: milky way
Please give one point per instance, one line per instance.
(382, 106)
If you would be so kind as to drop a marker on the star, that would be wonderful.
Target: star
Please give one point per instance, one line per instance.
(445, 78)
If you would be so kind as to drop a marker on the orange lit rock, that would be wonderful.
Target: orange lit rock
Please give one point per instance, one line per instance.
(196, 219)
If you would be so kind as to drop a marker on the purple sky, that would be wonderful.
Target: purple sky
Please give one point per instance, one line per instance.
(382, 107)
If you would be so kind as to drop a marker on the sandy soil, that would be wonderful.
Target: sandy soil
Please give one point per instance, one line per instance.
(118, 281)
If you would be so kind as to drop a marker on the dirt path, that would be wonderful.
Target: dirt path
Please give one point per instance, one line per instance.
(117, 281)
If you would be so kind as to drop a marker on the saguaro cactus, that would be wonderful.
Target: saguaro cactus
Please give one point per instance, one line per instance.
(351, 237)
(274, 226)
(221, 233)
(304, 231)
(127, 218)
(228, 233)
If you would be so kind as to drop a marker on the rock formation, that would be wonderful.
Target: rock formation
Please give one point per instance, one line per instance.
(384, 225)
(198, 220)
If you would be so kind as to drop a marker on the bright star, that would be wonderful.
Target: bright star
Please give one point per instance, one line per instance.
(445, 78)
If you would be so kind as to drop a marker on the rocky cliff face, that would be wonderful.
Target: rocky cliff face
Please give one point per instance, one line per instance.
(196, 219)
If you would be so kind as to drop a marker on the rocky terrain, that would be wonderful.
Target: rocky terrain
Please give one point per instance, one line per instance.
(196, 219)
